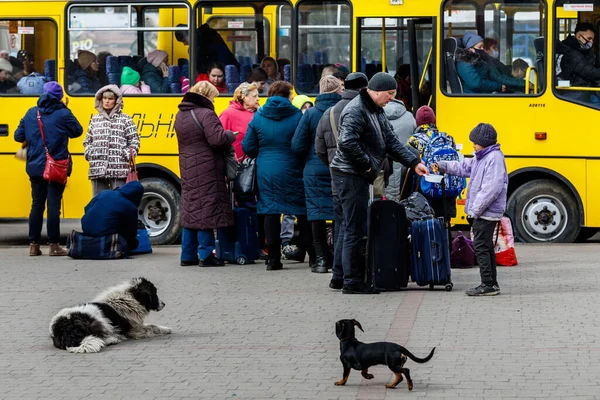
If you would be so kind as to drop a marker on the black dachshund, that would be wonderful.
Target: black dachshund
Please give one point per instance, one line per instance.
(360, 356)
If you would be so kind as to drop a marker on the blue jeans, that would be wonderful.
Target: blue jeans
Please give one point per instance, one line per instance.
(338, 239)
(354, 198)
(197, 243)
(42, 191)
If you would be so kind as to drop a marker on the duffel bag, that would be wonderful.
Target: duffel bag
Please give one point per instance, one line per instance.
(108, 247)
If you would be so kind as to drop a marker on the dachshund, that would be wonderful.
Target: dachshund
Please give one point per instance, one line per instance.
(360, 356)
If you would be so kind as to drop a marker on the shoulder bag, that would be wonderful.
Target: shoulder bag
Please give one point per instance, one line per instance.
(55, 170)
(231, 164)
(245, 182)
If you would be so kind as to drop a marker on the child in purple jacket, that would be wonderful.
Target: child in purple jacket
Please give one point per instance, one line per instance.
(486, 200)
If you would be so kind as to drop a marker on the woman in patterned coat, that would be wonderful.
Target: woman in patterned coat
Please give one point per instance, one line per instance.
(112, 140)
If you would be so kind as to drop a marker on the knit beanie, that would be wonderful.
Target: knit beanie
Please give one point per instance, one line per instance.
(157, 57)
(425, 115)
(381, 82)
(5, 65)
(301, 100)
(129, 76)
(54, 89)
(484, 135)
(85, 58)
(23, 55)
(329, 84)
(355, 81)
(470, 39)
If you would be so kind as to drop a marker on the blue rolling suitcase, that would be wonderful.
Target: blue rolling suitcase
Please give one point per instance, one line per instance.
(430, 253)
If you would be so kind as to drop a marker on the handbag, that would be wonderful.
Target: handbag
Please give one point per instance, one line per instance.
(245, 181)
(462, 253)
(231, 164)
(132, 175)
(55, 170)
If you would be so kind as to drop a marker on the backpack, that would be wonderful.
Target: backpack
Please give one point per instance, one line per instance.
(32, 84)
(441, 147)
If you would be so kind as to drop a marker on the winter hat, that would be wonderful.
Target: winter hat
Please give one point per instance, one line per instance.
(129, 76)
(5, 65)
(329, 84)
(425, 115)
(355, 81)
(54, 89)
(484, 135)
(301, 100)
(156, 57)
(381, 82)
(470, 39)
(85, 58)
(23, 55)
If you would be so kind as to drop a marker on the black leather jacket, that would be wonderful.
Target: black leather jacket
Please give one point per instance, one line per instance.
(577, 64)
(365, 138)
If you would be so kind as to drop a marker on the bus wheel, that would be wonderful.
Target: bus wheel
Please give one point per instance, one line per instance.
(544, 211)
(159, 210)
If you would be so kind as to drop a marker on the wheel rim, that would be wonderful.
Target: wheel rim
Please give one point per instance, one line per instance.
(544, 218)
(155, 212)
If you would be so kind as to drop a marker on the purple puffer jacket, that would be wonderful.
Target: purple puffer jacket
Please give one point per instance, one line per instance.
(486, 193)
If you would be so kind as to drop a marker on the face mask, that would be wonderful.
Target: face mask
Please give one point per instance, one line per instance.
(495, 54)
(587, 45)
(480, 52)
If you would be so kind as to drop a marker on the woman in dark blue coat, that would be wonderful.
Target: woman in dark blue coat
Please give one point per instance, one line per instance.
(317, 179)
(279, 171)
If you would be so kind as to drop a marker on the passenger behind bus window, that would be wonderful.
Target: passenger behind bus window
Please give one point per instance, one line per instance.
(85, 75)
(404, 91)
(576, 62)
(26, 61)
(475, 73)
(131, 83)
(102, 76)
(490, 46)
(215, 74)
(7, 82)
(155, 71)
(259, 77)
(30, 82)
(210, 47)
(272, 69)
(519, 68)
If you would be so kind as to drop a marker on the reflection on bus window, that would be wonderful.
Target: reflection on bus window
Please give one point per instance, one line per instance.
(129, 44)
(27, 56)
(323, 41)
(487, 47)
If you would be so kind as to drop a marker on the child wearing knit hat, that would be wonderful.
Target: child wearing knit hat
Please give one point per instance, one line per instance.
(131, 84)
(486, 200)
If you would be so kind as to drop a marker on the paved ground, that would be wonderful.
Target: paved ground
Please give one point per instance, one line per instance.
(243, 332)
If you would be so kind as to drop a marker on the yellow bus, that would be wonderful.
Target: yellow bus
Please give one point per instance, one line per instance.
(545, 132)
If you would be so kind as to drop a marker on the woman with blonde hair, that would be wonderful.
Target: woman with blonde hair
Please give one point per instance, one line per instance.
(205, 202)
(240, 112)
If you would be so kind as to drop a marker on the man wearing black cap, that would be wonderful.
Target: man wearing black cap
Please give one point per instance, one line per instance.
(365, 138)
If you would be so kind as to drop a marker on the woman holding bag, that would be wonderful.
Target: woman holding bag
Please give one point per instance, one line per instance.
(59, 125)
(111, 143)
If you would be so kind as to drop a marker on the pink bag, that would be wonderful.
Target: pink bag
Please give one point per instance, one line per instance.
(505, 244)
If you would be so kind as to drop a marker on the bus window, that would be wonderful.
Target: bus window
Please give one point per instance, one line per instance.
(27, 56)
(577, 77)
(324, 31)
(104, 39)
(489, 50)
(284, 34)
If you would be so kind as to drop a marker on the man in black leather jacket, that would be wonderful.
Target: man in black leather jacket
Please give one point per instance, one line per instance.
(365, 139)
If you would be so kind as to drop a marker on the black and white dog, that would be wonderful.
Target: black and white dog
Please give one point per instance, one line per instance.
(115, 315)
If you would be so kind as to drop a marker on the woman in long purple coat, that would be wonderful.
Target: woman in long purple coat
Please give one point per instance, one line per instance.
(205, 202)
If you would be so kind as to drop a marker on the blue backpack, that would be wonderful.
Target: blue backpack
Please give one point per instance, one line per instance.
(441, 147)
(32, 85)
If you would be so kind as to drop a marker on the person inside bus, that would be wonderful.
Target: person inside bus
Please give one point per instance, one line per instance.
(215, 74)
(155, 71)
(404, 91)
(519, 68)
(102, 76)
(259, 77)
(29, 81)
(131, 83)
(26, 61)
(577, 62)
(490, 46)
(111, 143)
(474, 73)
(210, 47)
(59, 125)
(272, 69)
(85, 75)
(8, 84)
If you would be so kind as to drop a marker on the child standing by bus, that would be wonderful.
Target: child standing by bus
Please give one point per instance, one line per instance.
(486, 200)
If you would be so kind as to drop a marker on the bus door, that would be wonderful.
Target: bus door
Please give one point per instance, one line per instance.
(404, 48)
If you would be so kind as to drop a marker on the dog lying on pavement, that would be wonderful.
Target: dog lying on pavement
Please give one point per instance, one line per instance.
(361, 356)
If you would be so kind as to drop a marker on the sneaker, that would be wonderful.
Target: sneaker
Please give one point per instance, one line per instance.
(497, 288)
(336, 285)
(212, 261)
(483, 290)
(287, 249)
(319, 266)
(185, 263)
(296, 255)
(359, 289)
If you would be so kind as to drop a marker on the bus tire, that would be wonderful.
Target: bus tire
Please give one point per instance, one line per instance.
(586, 234)
(160, 211)
(543, 210)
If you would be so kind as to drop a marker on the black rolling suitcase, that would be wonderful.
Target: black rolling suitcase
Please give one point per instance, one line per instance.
(387, 256)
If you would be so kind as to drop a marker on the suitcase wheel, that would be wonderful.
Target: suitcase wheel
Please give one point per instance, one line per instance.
(449, 287)
(241, 260)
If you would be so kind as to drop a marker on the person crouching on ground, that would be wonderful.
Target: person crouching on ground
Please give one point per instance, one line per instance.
(114, 211)
(365, 138)
(486, 200)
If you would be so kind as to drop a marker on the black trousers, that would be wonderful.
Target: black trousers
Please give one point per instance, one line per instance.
(43, 191)
(319, 234)
(272, 225)
(483, 241)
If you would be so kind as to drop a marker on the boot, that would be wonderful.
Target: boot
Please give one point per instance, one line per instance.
(297, 255)
(274, 261)
(319, 266)
(34, 250)
(56, 250)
